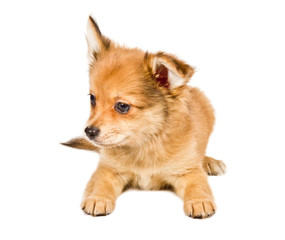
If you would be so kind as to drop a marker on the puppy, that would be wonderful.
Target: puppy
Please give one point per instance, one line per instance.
(150, 128)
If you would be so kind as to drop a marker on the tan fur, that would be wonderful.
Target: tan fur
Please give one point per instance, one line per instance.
(160, 142)
(211, 166)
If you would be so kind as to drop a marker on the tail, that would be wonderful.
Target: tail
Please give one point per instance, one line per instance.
(81, 143)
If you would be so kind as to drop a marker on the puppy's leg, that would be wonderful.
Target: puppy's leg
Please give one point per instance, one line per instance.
(214, 167)
(102, 191)
(195, 191)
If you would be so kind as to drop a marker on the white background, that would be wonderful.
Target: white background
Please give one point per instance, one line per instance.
(238, 50)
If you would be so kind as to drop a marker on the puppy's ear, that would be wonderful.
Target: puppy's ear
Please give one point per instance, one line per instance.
(97, 43)
(167, 70)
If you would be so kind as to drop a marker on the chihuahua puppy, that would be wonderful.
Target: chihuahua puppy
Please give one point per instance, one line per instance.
(150, 128)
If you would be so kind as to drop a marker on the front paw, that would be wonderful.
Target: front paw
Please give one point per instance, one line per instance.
(97, 206)
(199, 209)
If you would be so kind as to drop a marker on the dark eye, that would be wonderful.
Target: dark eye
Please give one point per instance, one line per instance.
(122, 107)
(92, 100)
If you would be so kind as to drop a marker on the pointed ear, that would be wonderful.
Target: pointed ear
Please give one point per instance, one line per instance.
(97, 43)
(167, 70)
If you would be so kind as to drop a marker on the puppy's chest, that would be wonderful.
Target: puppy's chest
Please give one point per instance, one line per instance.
(148, 181)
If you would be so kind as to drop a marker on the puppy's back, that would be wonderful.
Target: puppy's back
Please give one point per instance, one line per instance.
(201, 111)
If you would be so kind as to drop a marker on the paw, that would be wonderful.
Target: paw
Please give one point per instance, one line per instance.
(214, 167)
(97, 206)
(199, 209)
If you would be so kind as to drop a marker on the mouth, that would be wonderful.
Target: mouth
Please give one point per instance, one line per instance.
(108, 141)
(104, 145)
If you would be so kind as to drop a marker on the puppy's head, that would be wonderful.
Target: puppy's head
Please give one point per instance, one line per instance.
(130, 91)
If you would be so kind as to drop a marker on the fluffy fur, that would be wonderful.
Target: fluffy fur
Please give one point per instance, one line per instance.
(160, 142)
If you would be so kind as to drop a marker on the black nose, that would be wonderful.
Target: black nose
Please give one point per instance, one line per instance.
(92, 132)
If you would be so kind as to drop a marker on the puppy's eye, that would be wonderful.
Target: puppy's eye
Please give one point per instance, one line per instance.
(122, 107)
(92, 100)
